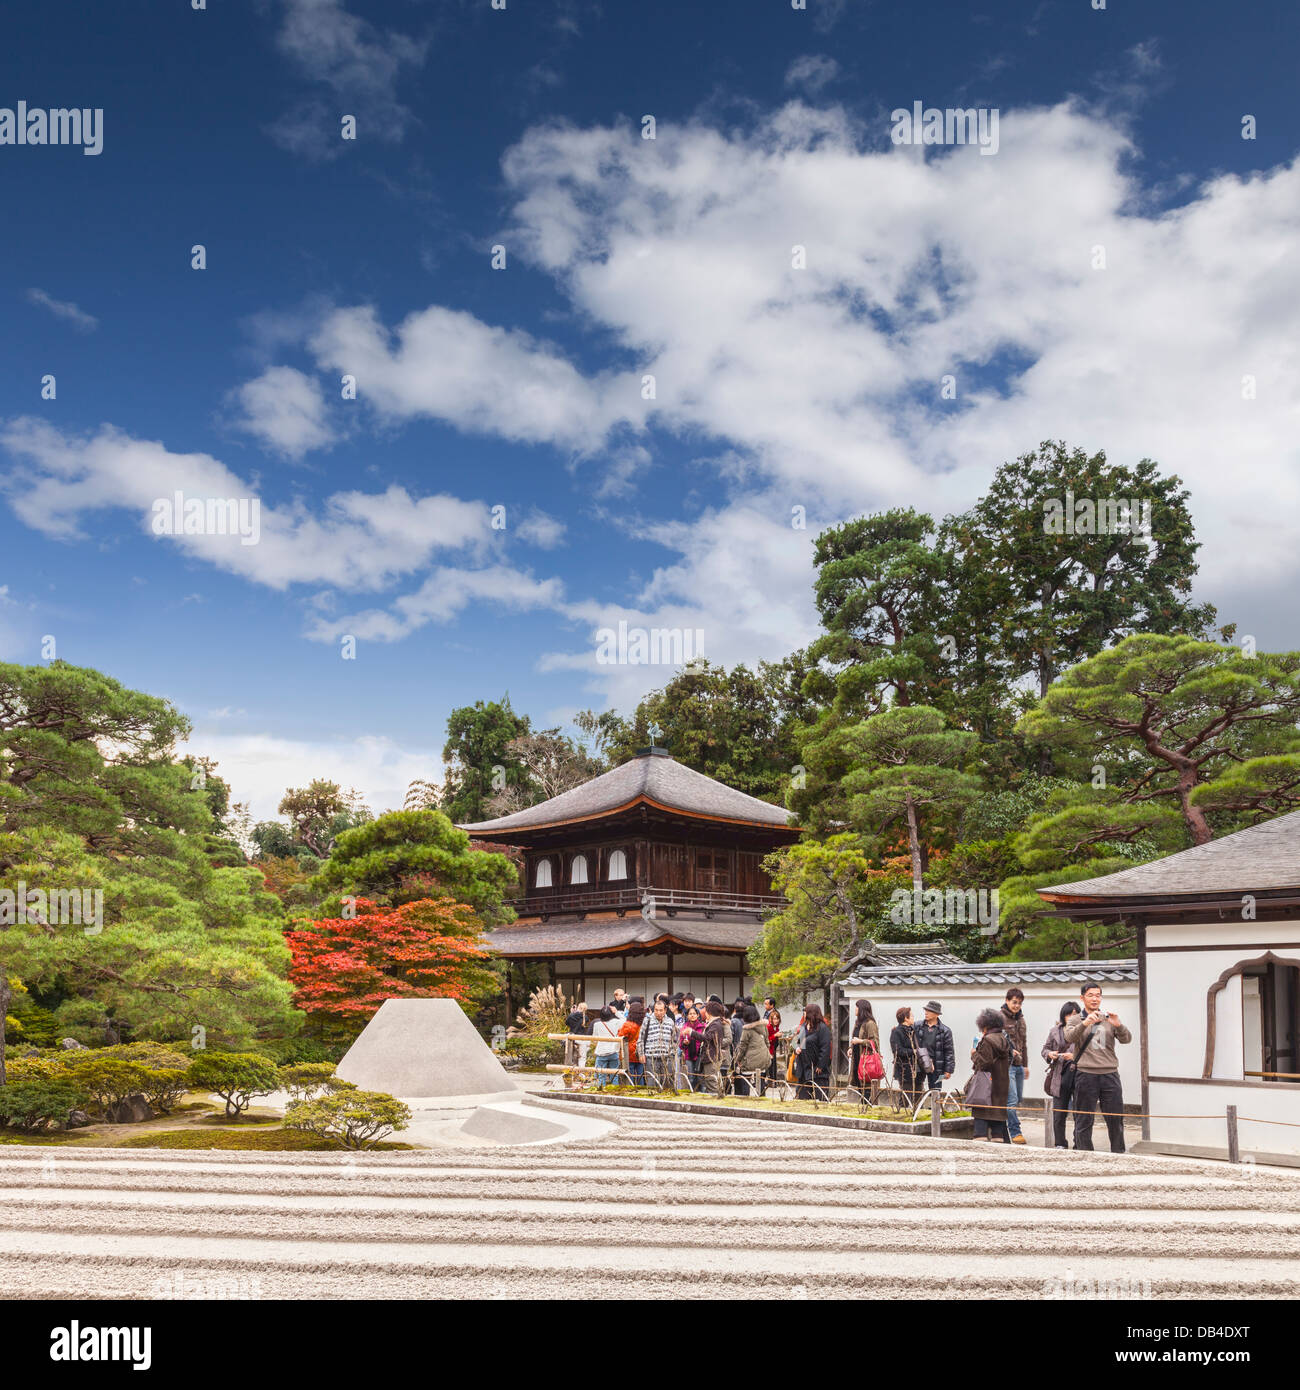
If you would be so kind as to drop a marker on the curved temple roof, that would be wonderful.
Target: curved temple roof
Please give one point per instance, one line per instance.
(651, 777)
(605, 934)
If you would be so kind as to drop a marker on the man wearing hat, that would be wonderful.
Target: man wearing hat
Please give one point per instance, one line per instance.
(935, 1036)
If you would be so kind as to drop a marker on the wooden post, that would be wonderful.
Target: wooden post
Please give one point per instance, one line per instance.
(834, 1021)
(1049, 1126)
(1234, 1148)
(936, 1114)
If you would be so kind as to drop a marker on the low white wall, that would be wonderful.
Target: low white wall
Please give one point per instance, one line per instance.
(1256, 1105)
(1042, 1007)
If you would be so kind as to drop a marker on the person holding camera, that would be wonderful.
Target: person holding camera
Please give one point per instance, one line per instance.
(1093, 1035)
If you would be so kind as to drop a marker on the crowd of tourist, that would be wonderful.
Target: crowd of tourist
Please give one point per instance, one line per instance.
(679, 1042)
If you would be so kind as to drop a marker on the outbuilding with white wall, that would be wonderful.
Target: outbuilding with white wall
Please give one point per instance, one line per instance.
(1219, 959)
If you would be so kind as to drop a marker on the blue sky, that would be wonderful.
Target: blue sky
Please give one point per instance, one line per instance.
(776, 388)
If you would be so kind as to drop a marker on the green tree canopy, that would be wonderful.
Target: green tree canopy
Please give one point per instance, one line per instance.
(1165, 716)
(1058, 597)
(877, 591)
(401, 856)
(476, 758)
(93, 801)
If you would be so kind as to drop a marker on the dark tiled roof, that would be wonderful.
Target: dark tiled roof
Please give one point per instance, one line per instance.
(654, 777)
(608, 935)
(1017, 972)
(1262, 858)
(909, 955)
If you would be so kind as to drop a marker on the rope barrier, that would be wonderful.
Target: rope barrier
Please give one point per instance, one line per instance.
(1126, 1114)
(728, 1077)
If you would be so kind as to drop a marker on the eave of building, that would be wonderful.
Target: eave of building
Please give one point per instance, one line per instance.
(609, 934)
(1265, 905)
(523, 835)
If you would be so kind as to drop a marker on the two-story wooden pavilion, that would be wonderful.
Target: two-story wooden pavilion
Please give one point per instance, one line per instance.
(649, 877)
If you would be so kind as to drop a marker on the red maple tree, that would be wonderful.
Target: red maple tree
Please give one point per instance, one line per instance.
(344, 968)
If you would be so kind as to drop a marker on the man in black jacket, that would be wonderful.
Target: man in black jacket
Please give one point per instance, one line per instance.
(935, 1036)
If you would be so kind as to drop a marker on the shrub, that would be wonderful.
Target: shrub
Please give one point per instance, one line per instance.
(47, 1065)
(147, 1054)
(305, 1080)
(164, 1086)
(106, 1080)
(533, 1052)
(234, 1076)
(301, 1049)
(353, 1119)
(39, 1103)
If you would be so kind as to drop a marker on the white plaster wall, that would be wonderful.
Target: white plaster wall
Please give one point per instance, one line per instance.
(961, 1005)
(1178, 983)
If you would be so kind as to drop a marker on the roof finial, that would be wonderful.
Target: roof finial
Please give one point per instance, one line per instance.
(654, 731)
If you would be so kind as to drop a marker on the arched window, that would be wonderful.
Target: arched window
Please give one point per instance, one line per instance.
(1270, 1023)
(578, 869)
(618, 864)
(543, 875)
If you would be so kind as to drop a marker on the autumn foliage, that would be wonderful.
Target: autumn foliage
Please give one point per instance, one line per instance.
(345, 967)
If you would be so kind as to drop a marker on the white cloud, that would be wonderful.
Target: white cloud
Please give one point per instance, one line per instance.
(540, 529)
(351, 540)
(259, 766)
(444, 595)
(360, 64)
(825, 382)
(812, 72)
(286, 410)
(64, 309)
(448, 365)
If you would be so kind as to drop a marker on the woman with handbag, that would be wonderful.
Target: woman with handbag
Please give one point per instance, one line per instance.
(1059, 1081)
(902, 1043)
(866, 1042)
(987, 1090)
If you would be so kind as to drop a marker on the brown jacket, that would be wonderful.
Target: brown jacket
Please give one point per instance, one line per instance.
(1099, 1054)
(1014, 1027)
(993, 1055)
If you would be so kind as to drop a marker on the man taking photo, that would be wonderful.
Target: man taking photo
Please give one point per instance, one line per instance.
(1093, 1035)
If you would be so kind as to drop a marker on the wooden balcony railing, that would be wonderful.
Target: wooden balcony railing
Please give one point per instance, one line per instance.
(609, 896)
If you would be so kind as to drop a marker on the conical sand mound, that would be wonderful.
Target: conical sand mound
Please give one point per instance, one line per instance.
(415, 1048)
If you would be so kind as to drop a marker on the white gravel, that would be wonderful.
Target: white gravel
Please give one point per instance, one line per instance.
(789, 1213)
